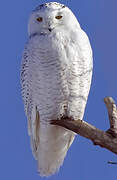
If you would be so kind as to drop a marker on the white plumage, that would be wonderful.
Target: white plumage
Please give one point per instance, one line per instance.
(55, 77)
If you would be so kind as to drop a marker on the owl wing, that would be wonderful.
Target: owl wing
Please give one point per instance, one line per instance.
(85, 63)
(79, 52)
(86, 56)
(86, 48)
(30, 109)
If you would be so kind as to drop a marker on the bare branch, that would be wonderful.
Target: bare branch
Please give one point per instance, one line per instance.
(106, 139)
(112, 113)
(111, 162)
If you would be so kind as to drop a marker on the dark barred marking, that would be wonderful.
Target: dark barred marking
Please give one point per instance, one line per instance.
(82, 97)
(79, 97)
(88, 71)
(48, 5)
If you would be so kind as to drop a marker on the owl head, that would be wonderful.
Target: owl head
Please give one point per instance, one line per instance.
(50, 17)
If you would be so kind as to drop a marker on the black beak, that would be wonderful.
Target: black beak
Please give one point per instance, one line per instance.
(50, 29)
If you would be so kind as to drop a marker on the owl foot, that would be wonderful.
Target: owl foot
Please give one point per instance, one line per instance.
(63, 118)
(67, 118)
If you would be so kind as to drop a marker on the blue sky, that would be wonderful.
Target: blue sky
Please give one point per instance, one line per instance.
(84, 161)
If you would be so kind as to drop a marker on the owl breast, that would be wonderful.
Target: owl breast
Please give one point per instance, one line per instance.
(57, 83)
(48, 71)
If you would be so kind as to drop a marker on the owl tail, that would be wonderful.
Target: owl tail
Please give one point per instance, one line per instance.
(54, 143)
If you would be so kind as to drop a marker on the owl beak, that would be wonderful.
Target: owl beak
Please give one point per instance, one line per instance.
(50, 29)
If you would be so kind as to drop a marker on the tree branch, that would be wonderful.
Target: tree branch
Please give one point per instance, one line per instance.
(110, 162)
(104, 139)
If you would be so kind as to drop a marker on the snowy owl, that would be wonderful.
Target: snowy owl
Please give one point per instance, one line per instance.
(56, 75)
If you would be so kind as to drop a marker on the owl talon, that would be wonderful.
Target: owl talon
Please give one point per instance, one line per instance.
(66, 118)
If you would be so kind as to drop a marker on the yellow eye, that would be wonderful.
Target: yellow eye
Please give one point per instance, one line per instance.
(58, 17)
(39, 19)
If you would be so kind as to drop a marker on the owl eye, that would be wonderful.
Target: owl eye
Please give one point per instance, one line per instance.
(39, 19)
(58, 17)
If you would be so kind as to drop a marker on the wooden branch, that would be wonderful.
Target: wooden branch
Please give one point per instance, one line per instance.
(110, 162)
(106, 139)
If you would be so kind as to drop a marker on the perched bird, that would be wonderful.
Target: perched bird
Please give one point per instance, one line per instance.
(56, 75)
